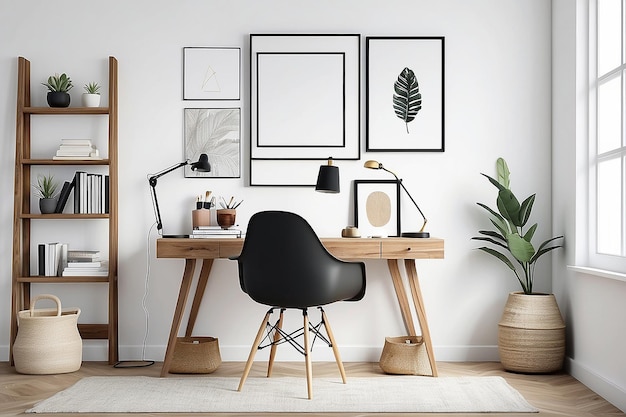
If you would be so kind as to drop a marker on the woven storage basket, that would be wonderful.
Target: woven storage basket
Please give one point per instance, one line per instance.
(196, 355)
(47, 340)
(405, 355)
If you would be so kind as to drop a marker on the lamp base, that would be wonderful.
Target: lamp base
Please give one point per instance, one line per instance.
(415, 234)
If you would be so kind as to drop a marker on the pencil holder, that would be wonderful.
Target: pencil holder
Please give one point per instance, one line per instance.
(200, 217)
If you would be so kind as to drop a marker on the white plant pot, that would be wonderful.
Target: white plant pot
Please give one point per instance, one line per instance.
(91, 100)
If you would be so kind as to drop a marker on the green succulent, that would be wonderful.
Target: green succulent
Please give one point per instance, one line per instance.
(46, 186)
(92, 88)
(510, 234)
(58, 82)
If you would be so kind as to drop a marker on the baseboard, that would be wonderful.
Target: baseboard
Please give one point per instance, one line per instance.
(230, 353)
(611, 392)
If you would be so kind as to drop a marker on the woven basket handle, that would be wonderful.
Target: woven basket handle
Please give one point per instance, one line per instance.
(43, 297)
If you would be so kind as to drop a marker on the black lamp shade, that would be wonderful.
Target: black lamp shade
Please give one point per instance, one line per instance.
(328, 179)
(202, 165)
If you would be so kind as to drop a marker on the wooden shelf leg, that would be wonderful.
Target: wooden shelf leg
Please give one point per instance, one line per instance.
(185, 286)
(418, 300)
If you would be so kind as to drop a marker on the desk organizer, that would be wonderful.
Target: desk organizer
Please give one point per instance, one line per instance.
(405, 355)
(196, 355)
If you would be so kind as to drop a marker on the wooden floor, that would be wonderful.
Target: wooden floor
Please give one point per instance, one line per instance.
(553, 395)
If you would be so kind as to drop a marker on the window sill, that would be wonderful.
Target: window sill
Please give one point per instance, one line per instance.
(618, 276)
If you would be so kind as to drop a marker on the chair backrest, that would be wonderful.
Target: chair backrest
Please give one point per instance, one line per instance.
(284, 264)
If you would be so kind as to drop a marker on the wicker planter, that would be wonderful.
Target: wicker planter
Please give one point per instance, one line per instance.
(531, 334)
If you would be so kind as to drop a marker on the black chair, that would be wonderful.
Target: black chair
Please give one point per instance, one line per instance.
(284, 265)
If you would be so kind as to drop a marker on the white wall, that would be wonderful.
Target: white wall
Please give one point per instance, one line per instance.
(498, 103)
(592, 305)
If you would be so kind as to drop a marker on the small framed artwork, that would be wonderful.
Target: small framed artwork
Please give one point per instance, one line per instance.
(211, 73)
(217, 133)
(405, 94)
(377, 207)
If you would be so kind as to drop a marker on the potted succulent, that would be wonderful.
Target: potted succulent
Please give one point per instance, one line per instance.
(531, 333)
(58, 90)
(91, 97)
(46, 190)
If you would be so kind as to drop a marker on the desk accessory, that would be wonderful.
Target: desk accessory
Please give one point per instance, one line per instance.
(328, 178)
(371, 164)
(201, 165)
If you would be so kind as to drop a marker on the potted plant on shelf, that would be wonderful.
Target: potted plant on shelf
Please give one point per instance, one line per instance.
(91, 98)
(531, 333)
(46, 190)
(58, 90)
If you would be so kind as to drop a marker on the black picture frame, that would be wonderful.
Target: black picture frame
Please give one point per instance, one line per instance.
(304, 105)
(368, 192)
(421, 128)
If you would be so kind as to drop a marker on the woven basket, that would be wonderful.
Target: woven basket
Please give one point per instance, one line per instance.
(405, 355)
(196, 355)
(531, 334)
(47, 340)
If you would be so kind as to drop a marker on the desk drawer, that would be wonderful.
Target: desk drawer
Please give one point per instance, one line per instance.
(407, 248)
(353, 248)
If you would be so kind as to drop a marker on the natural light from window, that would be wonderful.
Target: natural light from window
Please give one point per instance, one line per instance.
(607, 137)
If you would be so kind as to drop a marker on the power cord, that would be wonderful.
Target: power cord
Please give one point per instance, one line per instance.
(143, 362)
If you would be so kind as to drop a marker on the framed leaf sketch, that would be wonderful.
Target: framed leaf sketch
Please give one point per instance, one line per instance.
(217, 133)
(211, 73)
(405, 94)
(304, 105)
(377, 207)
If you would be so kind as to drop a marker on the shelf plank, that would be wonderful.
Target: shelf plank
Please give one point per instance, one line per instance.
(67, 216)
(66, 110)
(65, 162)
(37, 279)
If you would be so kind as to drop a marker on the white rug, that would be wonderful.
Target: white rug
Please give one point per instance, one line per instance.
(218, 394)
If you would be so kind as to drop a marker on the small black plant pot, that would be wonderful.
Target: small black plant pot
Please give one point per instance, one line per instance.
(58, 99)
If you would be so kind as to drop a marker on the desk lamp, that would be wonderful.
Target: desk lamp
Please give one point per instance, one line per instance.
(328, 178)
(202, 165)
(422, 234)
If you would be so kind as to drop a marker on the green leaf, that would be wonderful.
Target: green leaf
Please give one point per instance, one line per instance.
(521, 249)
(494, 182)
(407, 100)
(508, 206)
(528, 236)
(487, 239)
(525, 209)
(503, 172)
(499, 255)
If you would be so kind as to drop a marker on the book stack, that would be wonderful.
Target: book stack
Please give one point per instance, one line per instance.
(91, 193)
(207, 232)
(77, 149)
(51, 258)
(85, 263)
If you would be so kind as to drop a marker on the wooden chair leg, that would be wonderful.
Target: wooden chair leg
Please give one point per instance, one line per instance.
(307, 356)
(277, 336)
(335, 347)
(255, 347)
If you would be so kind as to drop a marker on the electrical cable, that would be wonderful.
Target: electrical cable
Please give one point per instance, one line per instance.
(143, 362)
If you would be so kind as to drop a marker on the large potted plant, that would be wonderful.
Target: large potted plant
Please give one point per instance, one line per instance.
(58, 90)
(531, 333)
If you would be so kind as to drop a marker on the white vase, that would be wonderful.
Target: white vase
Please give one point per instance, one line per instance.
(91, 100)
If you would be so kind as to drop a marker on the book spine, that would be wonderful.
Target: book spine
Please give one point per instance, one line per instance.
(41, 260)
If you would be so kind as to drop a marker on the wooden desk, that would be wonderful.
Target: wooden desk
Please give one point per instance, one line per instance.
(391, 249)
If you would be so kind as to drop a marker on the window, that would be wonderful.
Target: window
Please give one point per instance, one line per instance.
(607, 135)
